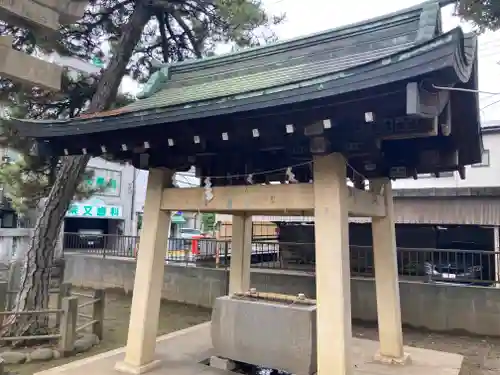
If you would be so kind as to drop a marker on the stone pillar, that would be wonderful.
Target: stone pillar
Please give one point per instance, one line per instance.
(386, 280)
(333, 279)
(241, 254)
(141, 342)
(496, 248)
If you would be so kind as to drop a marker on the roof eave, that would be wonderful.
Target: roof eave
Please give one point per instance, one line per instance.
(147, 117)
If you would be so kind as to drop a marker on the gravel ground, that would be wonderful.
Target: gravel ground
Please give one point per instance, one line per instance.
(481, 354)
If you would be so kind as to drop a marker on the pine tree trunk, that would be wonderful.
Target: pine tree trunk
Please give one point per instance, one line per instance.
(35, 279)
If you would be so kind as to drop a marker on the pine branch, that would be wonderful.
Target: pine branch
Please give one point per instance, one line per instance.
(484, 14)
(179, 30)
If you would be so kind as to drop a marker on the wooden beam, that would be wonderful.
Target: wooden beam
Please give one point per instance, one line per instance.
(289, 199)
(362, 203)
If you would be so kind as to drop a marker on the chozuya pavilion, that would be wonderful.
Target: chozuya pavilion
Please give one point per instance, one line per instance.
(387, 98)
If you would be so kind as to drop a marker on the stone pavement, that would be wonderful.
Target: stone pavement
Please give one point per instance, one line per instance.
(491, 367)
(181, 353)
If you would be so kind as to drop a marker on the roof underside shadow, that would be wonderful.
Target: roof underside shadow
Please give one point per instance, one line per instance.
(242, 104)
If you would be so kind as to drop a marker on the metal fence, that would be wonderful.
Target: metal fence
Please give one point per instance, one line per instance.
(478, 267)
(101, 244)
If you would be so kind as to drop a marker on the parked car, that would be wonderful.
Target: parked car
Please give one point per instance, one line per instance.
(452, 272)
(184, 240)
(458, 264)
(90, 238)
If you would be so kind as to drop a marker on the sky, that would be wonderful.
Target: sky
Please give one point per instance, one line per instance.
(303, 18)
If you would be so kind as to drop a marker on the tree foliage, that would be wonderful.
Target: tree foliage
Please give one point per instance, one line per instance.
(25, 177)
(139, 32)
(177, 30)
(484, 14)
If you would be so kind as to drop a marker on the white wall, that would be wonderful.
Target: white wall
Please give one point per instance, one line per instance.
(141, 183)
(182, 179)
(484, 176)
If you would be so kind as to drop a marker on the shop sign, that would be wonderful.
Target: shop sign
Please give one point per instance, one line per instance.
(92, 210)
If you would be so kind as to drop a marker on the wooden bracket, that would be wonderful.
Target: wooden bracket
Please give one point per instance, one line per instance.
(320, 146)
(424, 103)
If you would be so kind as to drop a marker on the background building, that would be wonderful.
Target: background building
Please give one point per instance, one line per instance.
(110, 211)
(179, 219)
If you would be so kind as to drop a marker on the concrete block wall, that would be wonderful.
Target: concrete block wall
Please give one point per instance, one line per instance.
(430, 306)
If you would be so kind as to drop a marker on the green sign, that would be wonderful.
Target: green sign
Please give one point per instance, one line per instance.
(101, 182)
(107, 181)
(94, 211)
(97, 61)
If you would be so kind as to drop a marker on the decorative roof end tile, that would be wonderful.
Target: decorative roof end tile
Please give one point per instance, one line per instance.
(155, 83)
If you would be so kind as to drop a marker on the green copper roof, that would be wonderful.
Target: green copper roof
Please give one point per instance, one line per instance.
(290, 64)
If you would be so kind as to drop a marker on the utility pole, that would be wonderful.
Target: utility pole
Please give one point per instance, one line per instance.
(43, 17)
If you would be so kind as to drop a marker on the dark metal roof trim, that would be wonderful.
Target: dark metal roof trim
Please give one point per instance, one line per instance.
(437, 54)
(428, 24)
(317, 38)
(422, 17)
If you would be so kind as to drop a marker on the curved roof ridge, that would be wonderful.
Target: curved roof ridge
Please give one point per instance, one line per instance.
(156, 106)
(298, 42)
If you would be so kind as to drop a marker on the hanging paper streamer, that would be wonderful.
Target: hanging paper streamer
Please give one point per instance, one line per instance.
(250, 179)
(290, 176)
(208, 189)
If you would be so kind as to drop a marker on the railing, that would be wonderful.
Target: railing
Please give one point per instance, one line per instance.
(66, 314)
(94, 320)
(7, 302)
(101, 244)
(480, 267)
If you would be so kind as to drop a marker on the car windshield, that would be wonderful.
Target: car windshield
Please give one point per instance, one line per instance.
(190, 231)
(90, 232)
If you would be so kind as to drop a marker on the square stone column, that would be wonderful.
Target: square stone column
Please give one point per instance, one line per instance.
(387, 280)
(241, 254)
(333, 276)
(148, 283)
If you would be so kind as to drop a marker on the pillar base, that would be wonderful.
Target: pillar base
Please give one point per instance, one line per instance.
(386, 360)
(223, 364)
(127, 368)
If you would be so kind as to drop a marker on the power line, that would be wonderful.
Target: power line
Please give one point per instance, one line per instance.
(277, 2)
(445, 88)
(491, 104)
